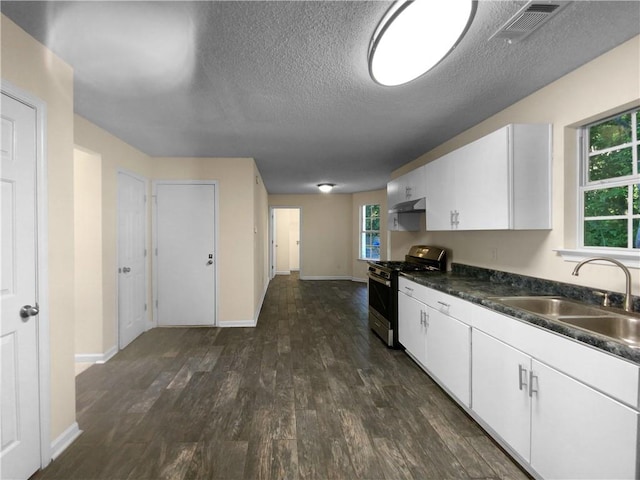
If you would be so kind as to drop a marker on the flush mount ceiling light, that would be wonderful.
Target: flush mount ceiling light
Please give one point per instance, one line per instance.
(326, 187)
(414, 36)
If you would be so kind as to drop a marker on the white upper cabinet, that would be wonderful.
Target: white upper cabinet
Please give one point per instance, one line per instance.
(499, 182)
(408, 187)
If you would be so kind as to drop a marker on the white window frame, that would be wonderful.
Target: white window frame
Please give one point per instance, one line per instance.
(363, 232)
(628, 256)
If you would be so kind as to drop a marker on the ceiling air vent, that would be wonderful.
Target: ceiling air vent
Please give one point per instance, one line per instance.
(528, 19)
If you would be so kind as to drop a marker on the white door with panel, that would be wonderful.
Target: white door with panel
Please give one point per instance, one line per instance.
(20, 454)
(132, 283)
(185, 253)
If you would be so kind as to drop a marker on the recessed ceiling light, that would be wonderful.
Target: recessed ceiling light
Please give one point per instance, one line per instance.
(326, 187)
(414, 36)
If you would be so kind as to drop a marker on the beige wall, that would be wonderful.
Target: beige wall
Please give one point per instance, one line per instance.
(33, 68)
(325, 233)
(604, 86)
(359, 267)
(115, 155)
(260, 241)
(88, 252)
(237, 225)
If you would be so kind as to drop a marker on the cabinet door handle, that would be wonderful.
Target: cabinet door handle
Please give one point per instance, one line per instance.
(422, 321)
(522, 377)
(533, 389)
(445, 305)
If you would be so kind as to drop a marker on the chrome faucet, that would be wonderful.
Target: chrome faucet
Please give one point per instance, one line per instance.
(628, 301)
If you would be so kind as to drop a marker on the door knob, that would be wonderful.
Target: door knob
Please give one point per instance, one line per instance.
(126, 269)
(29, 311)
(210, 262)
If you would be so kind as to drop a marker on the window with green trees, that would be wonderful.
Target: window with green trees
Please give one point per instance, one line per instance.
(610, 187)
(370, 232)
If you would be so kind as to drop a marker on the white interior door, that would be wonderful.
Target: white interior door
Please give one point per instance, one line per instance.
(132, 284)
(294, 239)
(185, 255)
(20, 424)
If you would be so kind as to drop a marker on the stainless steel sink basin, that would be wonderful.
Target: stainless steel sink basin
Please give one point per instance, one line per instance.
(623, 327)
(619, 327)
(549, 306)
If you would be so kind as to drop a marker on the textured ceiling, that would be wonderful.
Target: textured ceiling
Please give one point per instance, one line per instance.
(287, 83)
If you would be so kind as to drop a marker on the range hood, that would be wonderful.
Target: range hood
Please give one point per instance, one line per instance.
(419, 205)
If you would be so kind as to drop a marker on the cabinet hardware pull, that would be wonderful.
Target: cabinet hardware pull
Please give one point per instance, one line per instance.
(533, 389)
(446, 305)
(522, 379)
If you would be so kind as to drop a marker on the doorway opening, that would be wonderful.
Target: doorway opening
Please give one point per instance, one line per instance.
(87, 206)
(285, 240)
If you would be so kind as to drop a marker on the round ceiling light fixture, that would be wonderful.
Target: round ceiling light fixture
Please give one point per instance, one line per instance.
(326, 187)
(414, 36)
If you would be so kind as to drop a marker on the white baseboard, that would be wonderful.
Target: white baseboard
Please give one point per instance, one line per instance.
(256, 314)
(283, 272)
(237, 323)
(313, 277)
(360, 280)
(65, 439)
(96, 357)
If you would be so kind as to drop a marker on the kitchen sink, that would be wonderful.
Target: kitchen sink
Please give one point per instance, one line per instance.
(623, 327)
(549, 306)
(619, 327)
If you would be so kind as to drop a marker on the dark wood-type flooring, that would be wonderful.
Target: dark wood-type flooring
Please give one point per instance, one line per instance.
(310, 393)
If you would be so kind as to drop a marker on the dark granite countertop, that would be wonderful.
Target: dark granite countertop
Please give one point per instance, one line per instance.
(478, 285)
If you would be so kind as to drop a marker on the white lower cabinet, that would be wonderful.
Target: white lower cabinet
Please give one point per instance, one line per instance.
(412, 326)
(577, 432)
(499, 398)
(565, 410)
(561, 427)
(449, 353)
(438, 342)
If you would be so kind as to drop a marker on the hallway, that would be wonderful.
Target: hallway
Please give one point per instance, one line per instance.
(309, 393)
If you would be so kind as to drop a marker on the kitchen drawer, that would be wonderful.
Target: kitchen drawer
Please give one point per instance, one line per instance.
(610, 375)
(440, 301)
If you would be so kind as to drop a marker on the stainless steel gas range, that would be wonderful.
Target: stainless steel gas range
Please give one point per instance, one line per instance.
(383, 287)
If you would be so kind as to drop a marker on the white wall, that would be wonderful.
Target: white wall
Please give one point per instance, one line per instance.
(604, 86)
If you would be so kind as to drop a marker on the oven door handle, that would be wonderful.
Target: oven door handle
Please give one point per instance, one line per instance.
(378, 279)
